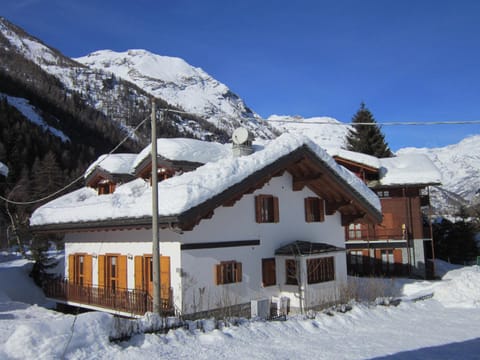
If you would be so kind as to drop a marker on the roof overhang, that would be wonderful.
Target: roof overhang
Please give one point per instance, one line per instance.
(306, 168)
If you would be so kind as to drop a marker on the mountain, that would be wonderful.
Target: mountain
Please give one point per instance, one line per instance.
(120, 86)
(460, 168)
(182, 85)
(326, 131)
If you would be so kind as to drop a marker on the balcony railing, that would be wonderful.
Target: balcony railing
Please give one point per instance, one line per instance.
(135, 302)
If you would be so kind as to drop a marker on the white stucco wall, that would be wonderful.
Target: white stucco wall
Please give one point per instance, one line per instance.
(192, 271)
(238, 223)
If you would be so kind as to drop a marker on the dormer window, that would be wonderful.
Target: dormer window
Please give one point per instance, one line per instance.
(105, 187)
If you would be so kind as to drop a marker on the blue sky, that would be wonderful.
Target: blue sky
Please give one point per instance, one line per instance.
(407, 60)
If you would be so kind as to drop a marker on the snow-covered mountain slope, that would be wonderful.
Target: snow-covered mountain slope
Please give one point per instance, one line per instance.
(32, 114)
(325, 131)
(460, 168)
(182, 85)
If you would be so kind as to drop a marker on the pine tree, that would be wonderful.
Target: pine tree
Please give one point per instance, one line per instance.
(367, 139)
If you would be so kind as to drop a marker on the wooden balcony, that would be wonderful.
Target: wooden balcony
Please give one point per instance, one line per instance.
(135, 302)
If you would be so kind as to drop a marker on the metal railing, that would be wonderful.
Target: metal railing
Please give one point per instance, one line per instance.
(136, 302)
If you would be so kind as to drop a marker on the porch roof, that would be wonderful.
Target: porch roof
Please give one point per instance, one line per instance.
(306, 248)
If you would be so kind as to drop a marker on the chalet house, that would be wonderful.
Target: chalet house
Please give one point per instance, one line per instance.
(233, 229)
(402, 244)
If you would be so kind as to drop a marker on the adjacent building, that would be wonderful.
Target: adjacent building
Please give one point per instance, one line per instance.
(401, 245)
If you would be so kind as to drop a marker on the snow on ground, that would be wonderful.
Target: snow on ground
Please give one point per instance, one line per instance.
(437, 328)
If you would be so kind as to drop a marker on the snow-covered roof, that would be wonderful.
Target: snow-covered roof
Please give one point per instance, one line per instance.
(357, 157)
(3, 169)
(181, 193)
(408, 170)
(183, 149)
(399, 170)
(113, 164)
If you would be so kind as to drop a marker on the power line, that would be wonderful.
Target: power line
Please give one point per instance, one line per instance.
(339, 123)
(78, 178)
(392, 123)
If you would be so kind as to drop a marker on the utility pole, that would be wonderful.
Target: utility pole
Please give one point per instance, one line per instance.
(157, 302)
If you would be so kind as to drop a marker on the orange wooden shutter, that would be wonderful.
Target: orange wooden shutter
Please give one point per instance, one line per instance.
(122, 271)
(238, 270)
(165, 276)
(258, 209)
(276, 212)
(217, 272)
(101, 271)
(71, 268)
(87, 270)
(139, 283)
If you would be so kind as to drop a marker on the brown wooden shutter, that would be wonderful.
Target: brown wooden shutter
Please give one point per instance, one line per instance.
(165, 276)
(276, 212)
(238, 272)
(321, 209)
(122, 272)
(138, 266)
(71, 268)
(101, 271)
(87, 270)
(217, 271)
(308, 216)
(258, 209)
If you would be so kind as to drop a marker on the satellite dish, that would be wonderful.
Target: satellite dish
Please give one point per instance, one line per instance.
(240, 136)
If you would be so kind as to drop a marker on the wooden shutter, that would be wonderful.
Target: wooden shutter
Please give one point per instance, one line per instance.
(321, 209)
(165, 277)
(87, 270)
(217, 271)
(138, 266)
(122, 272)
(101, 271)
(308, 214)
(276, 212)
(71, 268)
(258, 209)
(238, 272)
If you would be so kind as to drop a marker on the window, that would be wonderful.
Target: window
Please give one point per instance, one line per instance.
(320, 270)
(269, 277)
(266, 209)
(314, 211)
(291, 272)
(144, 274)
(383, 193)
(228, 272)
(112, 271)
(80, 269)
(355, 232)
(388, 261)
(105, 187)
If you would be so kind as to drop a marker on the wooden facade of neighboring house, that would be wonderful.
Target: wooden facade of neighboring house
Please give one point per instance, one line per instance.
(401, 245)
(278, 233)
